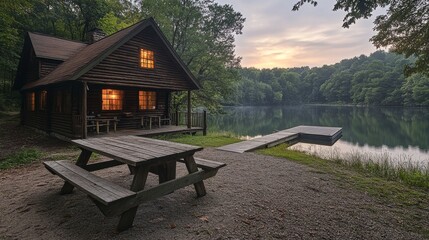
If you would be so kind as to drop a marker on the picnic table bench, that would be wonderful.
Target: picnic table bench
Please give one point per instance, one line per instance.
(142, 155)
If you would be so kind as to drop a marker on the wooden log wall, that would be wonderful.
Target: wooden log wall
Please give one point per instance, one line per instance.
(123, 66)
(31, 68)
(37, 119)
(47, 66)
(130, 104)
(49, 120)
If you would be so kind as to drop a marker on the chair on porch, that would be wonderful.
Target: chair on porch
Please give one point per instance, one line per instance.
(166, 119)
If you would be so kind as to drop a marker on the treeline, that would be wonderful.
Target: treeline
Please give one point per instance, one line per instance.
(377, 79)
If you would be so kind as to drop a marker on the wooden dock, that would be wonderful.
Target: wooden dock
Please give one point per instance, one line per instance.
(307, 134)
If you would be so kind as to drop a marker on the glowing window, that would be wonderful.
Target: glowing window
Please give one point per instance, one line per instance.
(112, 99)
(147, 100)
(43, 99)
(31, 101)
(147, 59)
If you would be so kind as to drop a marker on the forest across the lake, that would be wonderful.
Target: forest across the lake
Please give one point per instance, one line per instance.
(377, 79)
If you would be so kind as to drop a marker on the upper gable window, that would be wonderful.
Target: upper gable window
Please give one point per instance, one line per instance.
(147, 59)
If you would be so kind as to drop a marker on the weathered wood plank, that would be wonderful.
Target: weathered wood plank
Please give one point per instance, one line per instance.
(139, 180)
(180, 146)
(157, 191)
(144, 152)
(206, 164)
(81, 161)
(158, 151)
(102, 165)
(100, 189)
(124, 149)
(192, 167)
(310, 134)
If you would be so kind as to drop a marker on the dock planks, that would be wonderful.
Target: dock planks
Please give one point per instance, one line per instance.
(302, 133)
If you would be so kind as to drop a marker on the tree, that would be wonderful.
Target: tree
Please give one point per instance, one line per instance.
(203, 33)
(404, 27)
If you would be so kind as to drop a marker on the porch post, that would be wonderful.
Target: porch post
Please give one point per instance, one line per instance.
(84, 110)
(189, 110)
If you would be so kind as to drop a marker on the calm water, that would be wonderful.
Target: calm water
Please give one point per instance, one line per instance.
(402, 134)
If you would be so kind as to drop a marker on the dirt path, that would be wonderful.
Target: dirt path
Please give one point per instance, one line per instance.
(254, 197)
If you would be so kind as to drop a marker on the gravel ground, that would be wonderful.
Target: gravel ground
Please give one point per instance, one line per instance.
(254, 197)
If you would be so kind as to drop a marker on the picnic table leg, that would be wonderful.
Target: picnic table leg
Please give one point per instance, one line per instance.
(81, 161)
(97, 125)
(108, 126)
(167, 171)
(192, 167)
(139, 180)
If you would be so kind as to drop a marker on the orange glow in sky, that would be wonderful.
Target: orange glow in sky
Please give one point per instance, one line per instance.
(275, 36)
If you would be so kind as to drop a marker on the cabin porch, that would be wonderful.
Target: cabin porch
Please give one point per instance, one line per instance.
(178, 123)
(164, 129)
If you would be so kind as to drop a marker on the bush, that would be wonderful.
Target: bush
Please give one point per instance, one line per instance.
(22, 157)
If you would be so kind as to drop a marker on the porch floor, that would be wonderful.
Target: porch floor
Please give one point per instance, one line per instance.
(165, 129)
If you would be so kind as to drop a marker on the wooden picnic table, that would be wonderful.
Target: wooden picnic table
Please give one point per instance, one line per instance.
(142, 155)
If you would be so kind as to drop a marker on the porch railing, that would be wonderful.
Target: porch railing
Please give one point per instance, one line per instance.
(198, 119)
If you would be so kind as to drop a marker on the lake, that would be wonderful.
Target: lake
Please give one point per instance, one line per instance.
(397, 133)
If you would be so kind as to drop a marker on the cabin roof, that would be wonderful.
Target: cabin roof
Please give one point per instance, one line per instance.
(88, 56)
(54, 48)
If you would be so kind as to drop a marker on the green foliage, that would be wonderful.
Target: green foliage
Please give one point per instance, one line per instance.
(202, 32)
(366, 80)
(9, 102)
(370, 177)
(403, 28)
(213, 139)
(69, 19)
(19, 158)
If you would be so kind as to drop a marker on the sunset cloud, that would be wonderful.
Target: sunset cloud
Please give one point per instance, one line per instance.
(274, 36)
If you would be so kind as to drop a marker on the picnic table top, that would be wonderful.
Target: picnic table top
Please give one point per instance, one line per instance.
(137, 151)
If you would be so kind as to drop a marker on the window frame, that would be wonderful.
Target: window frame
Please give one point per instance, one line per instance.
(43, 100)
(147, 100)
(146, 61)
(111, 106)
(62, 101)
(31, 101)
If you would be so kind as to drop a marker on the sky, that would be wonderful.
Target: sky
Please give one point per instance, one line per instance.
(275, 36)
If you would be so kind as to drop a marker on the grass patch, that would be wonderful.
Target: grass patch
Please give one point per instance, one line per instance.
(405, 171)
(21, 157)
(405, 189)
(212, 139)
(9, 117)
(377, 179)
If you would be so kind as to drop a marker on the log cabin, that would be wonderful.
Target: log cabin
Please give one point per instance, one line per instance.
(125, 76)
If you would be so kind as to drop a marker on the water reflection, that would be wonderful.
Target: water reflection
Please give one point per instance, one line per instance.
(370, 129)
